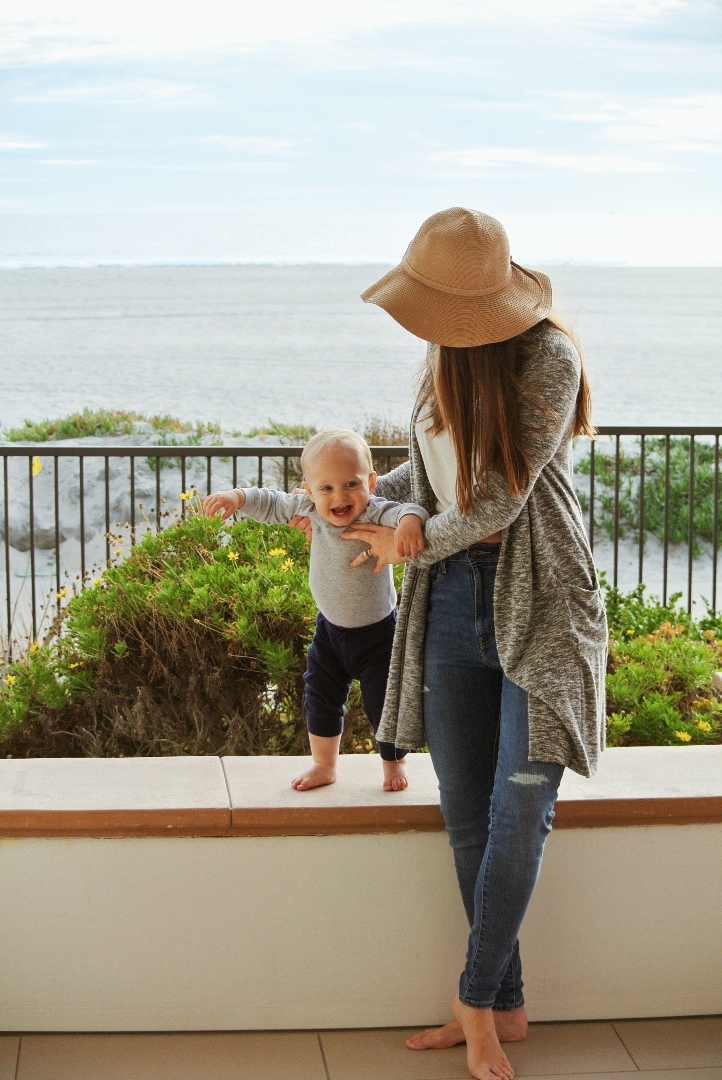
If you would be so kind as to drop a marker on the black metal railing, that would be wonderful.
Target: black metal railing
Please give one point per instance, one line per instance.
(25, 609)
(647, 493)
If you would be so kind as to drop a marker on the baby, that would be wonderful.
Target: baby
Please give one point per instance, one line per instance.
(357, 607)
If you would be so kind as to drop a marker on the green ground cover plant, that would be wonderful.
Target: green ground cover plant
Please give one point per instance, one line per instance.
(654, 491)
(99, 422)
(660, 671)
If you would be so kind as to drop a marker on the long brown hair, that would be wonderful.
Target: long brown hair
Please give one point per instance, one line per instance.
(476, 393)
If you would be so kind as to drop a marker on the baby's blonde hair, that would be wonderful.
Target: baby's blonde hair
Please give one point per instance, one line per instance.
(336, 438)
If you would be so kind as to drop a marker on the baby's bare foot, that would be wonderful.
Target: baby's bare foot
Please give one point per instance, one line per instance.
(318, 776)
(395, 776)
(485, 1058)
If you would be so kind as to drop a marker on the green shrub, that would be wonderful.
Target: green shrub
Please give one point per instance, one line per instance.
(194, 644)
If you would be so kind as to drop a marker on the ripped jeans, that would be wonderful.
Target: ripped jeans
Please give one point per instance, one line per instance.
(497, 805)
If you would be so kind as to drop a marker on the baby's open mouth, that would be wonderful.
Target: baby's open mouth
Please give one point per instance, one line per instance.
(341, 511)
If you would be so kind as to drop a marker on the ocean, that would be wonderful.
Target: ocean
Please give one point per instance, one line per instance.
(240, 344)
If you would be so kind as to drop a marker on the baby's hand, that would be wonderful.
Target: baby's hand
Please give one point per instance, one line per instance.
(224, 503)
(409, 536)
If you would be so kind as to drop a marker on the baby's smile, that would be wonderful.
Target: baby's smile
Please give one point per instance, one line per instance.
(341, 511)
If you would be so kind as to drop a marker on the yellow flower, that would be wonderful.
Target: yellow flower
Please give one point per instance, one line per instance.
(703, 725)
(10, 680)
(287, 564)
(34, 647)
(233, 555)
(683, 736)
(188, 494)
(77, 664)
(97, 581)
(62, 594)
(118, 551)
(277, 551)
(37, 466)
(630, 633)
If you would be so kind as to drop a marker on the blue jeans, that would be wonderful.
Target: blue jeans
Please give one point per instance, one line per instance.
(497, 805)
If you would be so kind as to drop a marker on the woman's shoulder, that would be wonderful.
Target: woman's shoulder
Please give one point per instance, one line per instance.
(548, 346)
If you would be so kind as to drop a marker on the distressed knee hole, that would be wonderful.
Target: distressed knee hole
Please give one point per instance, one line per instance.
(527, 778)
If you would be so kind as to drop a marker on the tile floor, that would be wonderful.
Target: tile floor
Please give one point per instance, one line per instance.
(677, 1049)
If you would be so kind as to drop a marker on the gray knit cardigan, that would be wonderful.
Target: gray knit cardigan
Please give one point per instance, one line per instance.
(551, 628)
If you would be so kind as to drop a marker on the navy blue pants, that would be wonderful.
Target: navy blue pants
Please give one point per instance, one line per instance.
(336, 656)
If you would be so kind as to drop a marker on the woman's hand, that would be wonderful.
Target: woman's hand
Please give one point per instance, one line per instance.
(301, 523)
(379, 541)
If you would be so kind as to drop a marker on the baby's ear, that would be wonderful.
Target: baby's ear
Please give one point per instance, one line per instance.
(372, 481)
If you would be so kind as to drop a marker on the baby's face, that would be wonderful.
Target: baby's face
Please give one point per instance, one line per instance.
(339, 483)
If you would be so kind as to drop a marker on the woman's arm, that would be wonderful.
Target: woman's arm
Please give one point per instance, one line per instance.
(554, 375)
(395, 485)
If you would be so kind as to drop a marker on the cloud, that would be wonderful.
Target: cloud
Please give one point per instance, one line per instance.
(125, 92)
(8, 142)
(42, 30)
(679, 124)
(252, 144)
(490, 157)
(70, 161)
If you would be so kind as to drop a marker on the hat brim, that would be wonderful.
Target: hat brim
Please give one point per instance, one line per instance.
(461, 321)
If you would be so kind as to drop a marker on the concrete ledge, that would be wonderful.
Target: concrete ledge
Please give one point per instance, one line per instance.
(115, 918)
(113, 797)
(252, 796)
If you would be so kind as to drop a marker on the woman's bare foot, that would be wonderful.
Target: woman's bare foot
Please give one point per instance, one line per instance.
(318, 776)
(485, 1058)
(510, 1027)
(395, 776)
(440, 1038)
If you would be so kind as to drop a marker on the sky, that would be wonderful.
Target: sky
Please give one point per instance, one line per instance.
(329, 130)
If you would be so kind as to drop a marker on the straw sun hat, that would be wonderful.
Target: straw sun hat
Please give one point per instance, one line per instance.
(457, 284)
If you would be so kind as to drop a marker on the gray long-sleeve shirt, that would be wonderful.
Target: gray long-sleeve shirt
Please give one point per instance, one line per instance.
(345, 596)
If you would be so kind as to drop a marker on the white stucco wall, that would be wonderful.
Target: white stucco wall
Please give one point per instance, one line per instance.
(343, 931)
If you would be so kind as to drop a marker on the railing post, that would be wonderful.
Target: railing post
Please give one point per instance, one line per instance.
(666, 519)
(31, 508)
(8, 598)
(690, 526)
(715, 523)
(641, 509)
(591, 494)
(56, 493)
(81, 486)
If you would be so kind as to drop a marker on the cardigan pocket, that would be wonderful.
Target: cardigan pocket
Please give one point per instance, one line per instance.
(587, 616)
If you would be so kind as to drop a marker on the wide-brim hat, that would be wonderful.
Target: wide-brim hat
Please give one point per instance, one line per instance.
(457, 284)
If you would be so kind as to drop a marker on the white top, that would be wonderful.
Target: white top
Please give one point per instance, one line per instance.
(439, 457)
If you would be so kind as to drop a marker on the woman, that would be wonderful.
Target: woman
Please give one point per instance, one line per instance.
(500, 650)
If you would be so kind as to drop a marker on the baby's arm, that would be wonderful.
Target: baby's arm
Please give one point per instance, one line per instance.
(409, 536)
(408, 520)
(266, 505)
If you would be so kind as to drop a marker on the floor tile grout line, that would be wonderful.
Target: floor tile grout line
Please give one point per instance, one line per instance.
(323, 1055)
(17, 1059)
(614, 1028)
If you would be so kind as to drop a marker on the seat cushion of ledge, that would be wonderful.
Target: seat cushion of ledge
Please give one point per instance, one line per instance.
(113, 796)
